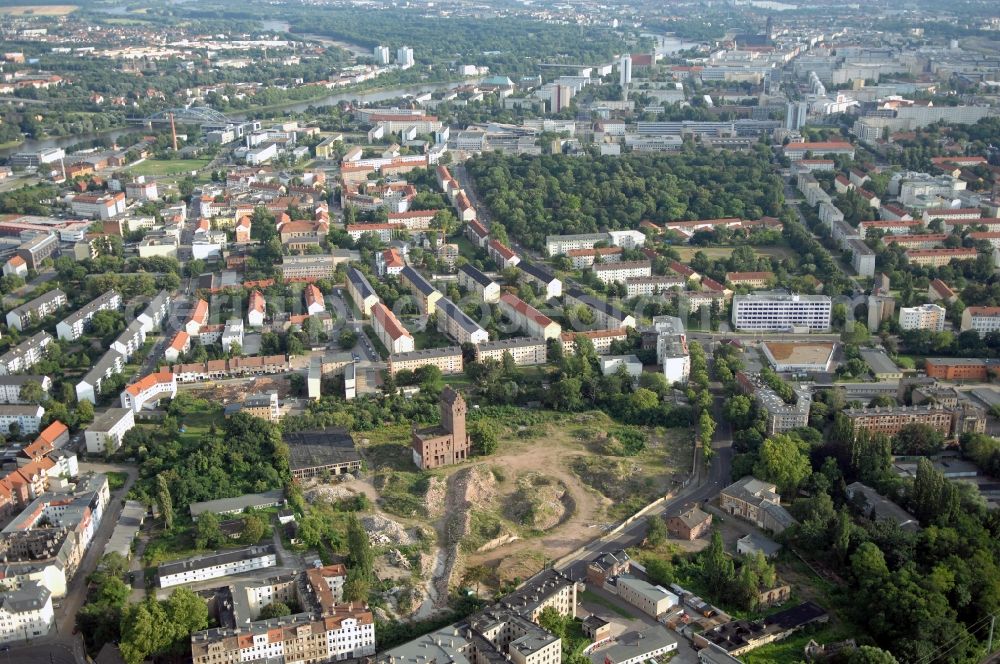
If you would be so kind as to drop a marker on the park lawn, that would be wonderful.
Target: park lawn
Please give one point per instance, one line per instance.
(688, 252)
(429, 337)
(167, 166)
(789, 651)
(198, 423)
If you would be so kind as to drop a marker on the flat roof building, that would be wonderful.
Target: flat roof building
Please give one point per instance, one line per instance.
(779, 311)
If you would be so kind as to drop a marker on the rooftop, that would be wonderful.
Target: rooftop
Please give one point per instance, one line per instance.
(320, 447)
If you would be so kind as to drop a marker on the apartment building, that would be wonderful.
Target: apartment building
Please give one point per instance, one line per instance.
(89, 387)
(891, 420)
(74, 325)
(457, 325)
(525, 351)
(605, 314)
(317, 266)
(426, 294)
(585, 258)
(393, 335)
(10, 387)
(528, 319)
(214, 566)
(889, 227)
(475, 281)
(155, 313)
(757, 502)
(618, 272)
(653, 285)
(34, 311)
(601, 340)
(447, 359)
(25, 613)
(541, 278)
(27, 417)
(384, 232)
(361, 291)
(778, 311)
(940, 257)
(25, 355)
(104, 435)
(501, 254)
(477, 233)
(561, 244)
(324, 632)
(948, 215)
(923, 241)
(982, 320)
(149, 390)
(130, 340)
(236, 367)
(924, 317)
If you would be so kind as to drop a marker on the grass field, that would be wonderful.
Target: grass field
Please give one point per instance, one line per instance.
(594, 598)
(167, 167)
(687, 253)
(116, 480)
(39, 10)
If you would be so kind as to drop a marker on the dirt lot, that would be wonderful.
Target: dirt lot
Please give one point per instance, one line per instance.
(39, 10)
(226, 392)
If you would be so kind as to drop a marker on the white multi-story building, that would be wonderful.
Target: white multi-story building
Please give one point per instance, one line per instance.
(130, 340)
(388, 329)
(149, 390)
(105, 434)
(618, 272)
(10, 387)
(232, 333)
(28, 417)
(256, 309)
(34, 311)
(404, 57)
(475, 281)
(110, 364)
(217, 565)
(74, 325)
(180, 344)
(983, 320)
(155, 312)
(637, 286)
(457, 325)
(528, 319)
(548, 285)
(525, 351)
(361, 291)
(26, 613)
(778, 311)
(25, 355)
(925, 317)
(381, 54)
(560, 244)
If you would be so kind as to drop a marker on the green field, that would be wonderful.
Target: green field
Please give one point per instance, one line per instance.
(167, 166)
(687, 253)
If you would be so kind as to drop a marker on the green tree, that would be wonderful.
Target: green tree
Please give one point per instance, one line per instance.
(361, 556)
(84, 412)
(870, 655)
(485, 437)
(552, 621)
(717, 568)
(254, 528)
(656, 531)
(274, 610)
(207, 533)
(918, 439)
(164, 501)
(31, 392)
(781, 461)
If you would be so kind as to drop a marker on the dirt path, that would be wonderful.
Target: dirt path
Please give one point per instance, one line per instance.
(586, 520)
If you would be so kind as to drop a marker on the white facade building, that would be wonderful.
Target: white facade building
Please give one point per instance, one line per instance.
(108, 429)
(776, 311)
(925, 317)
(215, 566)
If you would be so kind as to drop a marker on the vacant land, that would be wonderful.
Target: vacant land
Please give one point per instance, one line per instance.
(155, 167)
(39, 10)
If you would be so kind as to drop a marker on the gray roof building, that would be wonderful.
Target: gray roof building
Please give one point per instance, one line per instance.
(238, 504)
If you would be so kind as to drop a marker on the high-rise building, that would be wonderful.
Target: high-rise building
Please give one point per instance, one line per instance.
(404, 57)
(625, 70)
(795, 115)
(381, 55)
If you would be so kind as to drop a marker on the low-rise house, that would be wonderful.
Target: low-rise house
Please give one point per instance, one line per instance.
(226, 506)
(652, 600)
(690, 525)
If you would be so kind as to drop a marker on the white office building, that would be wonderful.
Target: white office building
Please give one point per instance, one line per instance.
(778, 311)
